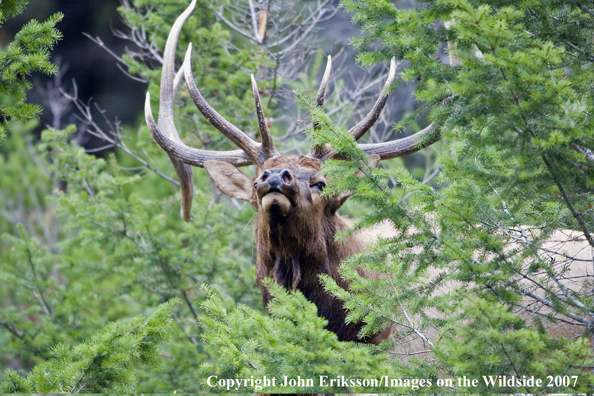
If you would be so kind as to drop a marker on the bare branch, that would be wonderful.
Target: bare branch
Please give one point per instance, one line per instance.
(585, 151)
(233, 26)
(113, 137)
(549, 304)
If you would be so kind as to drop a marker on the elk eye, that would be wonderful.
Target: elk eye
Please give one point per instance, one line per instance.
(319, 185)
(256, 185)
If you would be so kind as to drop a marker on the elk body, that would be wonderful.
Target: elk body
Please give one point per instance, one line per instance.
(296, 226)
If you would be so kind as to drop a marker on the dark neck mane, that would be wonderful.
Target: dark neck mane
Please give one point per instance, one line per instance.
(295, 254)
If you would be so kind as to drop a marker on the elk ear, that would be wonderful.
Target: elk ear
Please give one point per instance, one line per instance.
(231, 181)
(335, 203)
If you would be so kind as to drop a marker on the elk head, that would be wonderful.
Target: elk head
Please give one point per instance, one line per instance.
(296, 224)
(251, 152)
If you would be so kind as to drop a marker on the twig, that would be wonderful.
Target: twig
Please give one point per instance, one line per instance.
(113, 138)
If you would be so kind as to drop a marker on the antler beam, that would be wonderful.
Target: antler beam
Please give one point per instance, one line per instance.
(405, 146)
(165, 134)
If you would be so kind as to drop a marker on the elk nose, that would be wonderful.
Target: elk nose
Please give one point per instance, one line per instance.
(276, 179)
(286, 176)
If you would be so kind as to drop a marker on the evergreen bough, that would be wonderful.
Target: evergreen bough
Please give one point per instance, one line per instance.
(106, 362)
(27, 53)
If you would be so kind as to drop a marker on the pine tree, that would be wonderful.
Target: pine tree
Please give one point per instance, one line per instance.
(85, 242)
(28, 52)
(516, 112)
(520, 167)
(106, 362)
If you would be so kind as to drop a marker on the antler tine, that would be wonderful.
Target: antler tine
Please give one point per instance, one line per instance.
(324, 84)
(185, 173)
(167, 94)
(318, 151)
(366, 123)
(238, 137)
(267, 142)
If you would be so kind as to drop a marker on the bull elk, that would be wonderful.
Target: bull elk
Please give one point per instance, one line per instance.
(296, 225)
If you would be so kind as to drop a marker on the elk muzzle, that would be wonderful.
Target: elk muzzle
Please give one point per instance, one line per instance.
(276, 191)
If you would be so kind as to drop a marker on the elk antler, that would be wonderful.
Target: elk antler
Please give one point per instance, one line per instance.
(386, 150)
(367, 122)
(267, 144)
(252, 152)
(166, 135)
(318, 151)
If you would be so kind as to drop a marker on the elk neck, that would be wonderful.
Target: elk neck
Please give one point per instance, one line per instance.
(294, 252)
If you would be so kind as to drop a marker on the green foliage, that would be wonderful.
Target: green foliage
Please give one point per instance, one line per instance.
(521, 168)
(105, 362)
(87, 242)
(27, 53)
(497, 337)
(289, 342)
(12, 8)
(119, 254)
(339, 139)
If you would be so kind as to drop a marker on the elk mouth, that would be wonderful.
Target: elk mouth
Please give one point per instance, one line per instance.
(276, 204)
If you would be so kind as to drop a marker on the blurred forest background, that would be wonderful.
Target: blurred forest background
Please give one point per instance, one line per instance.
(95, 70)
(106, 289)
